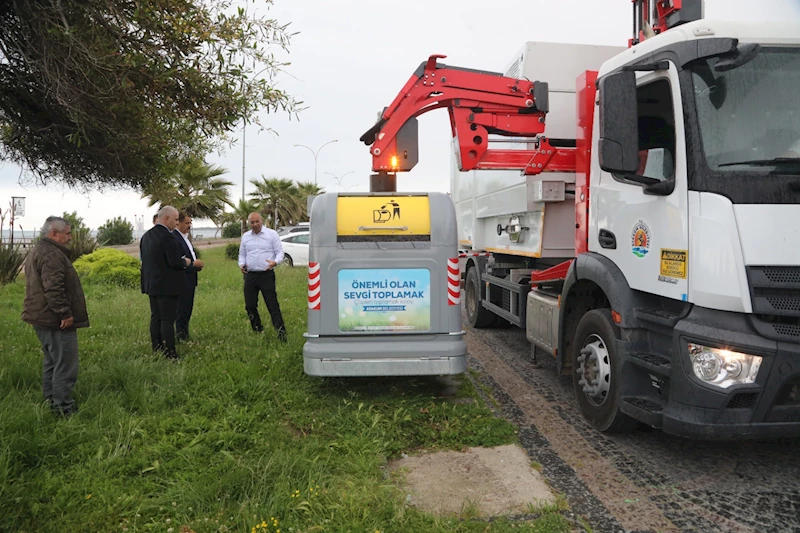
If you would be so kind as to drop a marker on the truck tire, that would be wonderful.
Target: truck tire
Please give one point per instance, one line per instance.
(597, 371)
(477, 315)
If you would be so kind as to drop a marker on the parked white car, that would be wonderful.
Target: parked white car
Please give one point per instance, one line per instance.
(301, 226)
(295, 249)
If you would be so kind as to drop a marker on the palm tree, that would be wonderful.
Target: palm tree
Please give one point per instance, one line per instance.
(306, 189)
(194, 189)
(240, 213)
(279, 199)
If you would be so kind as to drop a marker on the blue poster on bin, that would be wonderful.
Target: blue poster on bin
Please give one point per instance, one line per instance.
(385, 300)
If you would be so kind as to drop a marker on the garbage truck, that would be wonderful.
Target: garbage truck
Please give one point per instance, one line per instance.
(635, 210)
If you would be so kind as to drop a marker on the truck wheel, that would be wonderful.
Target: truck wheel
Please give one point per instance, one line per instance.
(597, 373)
(477, 315)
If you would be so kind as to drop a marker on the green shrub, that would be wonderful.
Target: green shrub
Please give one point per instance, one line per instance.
(11, 260)
(232, 250)
(82, 241)
(109, 266)
(232, 230)
(115, 232)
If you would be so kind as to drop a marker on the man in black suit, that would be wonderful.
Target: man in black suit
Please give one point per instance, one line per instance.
(163, 279)
(186, 299)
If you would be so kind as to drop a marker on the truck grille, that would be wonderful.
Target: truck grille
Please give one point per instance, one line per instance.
(775, 293)
(781, 274)
(743, 400)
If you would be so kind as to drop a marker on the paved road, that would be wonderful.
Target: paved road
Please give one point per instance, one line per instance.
(199, 244)
(643, 481)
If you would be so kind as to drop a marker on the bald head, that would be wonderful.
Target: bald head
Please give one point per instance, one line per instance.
(168, 216)
(255, 222)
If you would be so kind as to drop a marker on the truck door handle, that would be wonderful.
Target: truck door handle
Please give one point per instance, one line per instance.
(607, 239)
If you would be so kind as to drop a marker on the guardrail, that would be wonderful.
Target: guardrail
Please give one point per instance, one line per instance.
(24, 242)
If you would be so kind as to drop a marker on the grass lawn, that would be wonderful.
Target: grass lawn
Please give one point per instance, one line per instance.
(234, 437)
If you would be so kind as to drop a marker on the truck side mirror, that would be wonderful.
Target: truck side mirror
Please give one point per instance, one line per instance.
(619, 130)
(743, 55)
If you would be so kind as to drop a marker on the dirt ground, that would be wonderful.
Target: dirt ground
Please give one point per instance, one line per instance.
(480, 481)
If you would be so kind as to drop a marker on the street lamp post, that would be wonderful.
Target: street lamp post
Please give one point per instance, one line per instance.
(339, 179)
(244, 147)
(316, 154)
(244, 123)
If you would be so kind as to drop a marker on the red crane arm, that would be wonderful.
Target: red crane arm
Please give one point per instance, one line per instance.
(480, 103)
(651, 17)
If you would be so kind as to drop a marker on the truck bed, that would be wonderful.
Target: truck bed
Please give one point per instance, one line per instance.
(486, 198)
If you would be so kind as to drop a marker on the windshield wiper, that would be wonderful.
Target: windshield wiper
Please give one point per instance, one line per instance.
(778, 161)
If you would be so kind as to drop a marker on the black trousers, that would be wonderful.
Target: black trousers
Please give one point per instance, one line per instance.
(185, 307)
(263, 282)
(163, 310)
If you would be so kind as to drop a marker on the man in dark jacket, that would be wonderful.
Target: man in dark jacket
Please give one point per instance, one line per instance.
(163, 278)
(186, 299)
(56, 307)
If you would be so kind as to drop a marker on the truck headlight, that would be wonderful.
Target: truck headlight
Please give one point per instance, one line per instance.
(723, 368)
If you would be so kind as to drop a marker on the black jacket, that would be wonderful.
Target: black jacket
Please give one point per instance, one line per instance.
(163, 266)
(191, 272)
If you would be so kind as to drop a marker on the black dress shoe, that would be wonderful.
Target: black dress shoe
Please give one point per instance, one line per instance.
(283, 336)
(65, 412)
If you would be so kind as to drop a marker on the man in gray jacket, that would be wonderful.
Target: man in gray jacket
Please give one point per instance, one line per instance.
(56, 307)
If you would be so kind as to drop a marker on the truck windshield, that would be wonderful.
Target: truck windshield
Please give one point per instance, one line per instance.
(749, 117)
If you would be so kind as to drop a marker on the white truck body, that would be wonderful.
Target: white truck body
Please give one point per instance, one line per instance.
(486, 198)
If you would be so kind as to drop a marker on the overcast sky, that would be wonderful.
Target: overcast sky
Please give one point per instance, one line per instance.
(350, 59)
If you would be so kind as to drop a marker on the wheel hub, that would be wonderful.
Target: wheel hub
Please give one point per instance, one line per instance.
(594, 369)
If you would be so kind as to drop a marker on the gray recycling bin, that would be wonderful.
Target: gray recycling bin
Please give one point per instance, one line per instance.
(383, 286)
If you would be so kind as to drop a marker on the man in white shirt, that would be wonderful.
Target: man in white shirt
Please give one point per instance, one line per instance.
(186, 299)
(260, 252)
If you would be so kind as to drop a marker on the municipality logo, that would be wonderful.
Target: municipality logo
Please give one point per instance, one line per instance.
(640, 239)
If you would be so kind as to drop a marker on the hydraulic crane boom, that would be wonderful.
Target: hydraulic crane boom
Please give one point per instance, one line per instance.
(480, 103)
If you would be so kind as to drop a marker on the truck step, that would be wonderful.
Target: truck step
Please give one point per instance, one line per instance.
(643, 409)
(657, 364)
(661, 317)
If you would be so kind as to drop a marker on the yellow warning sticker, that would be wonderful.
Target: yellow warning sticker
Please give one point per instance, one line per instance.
(383, 215)
(673, 263)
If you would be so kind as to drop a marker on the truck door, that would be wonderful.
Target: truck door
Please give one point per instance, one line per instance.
(645, 233)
